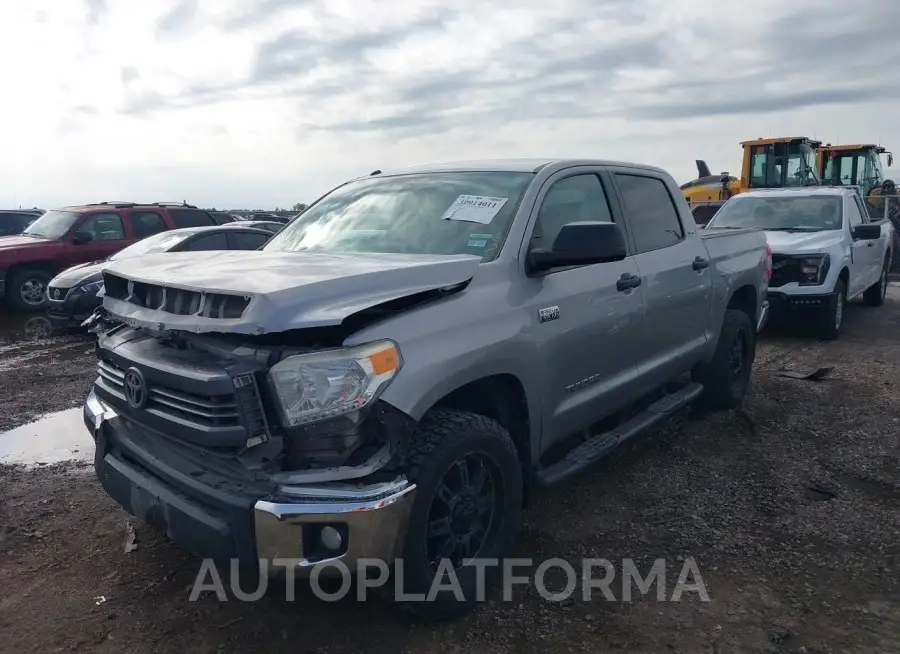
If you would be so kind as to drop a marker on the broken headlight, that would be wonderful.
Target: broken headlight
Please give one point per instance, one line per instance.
(313, 387)
(814, 269)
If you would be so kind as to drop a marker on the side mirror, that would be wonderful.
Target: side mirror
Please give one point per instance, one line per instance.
(82, 237)
(866, 232)
(581, 244)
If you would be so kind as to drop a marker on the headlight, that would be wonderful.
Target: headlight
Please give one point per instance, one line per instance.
(313, 387)
(90, 289)
(814, 269)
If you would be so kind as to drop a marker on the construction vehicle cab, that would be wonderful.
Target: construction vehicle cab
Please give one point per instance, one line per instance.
(853, 165)
(766, 163)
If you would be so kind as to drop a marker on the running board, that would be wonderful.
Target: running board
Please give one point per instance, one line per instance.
(596, 448)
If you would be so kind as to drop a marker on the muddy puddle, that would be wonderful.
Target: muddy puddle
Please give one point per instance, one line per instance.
(55, 438)
(27, 327)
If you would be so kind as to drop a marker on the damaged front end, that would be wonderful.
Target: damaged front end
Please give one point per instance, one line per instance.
(254, 446)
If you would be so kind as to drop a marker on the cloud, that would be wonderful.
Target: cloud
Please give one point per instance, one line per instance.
(279, 92)
(178, 21)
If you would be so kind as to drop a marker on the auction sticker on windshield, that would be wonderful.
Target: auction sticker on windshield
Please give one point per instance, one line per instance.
(474, 209)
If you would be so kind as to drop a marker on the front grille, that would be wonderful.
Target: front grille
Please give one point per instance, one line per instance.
(176, 301)
(198, 409)
(57, 292)
(785, 270)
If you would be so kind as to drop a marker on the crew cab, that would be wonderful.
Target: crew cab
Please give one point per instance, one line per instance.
(66, 237)
(826, 250)
(410, 356)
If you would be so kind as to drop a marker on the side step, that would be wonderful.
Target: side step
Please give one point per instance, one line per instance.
(597, 447)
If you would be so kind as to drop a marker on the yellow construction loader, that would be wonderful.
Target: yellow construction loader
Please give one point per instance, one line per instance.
(766, 163)
(854, 165)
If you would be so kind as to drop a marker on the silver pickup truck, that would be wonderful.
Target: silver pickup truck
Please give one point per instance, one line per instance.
(390, 375)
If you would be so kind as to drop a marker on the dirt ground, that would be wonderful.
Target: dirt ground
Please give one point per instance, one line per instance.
(790, 506)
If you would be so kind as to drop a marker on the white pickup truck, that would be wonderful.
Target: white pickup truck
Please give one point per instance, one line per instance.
(825, 250)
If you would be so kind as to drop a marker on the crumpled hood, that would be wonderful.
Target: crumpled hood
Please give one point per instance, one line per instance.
(77, 274)
(286, 290)
(803, 242)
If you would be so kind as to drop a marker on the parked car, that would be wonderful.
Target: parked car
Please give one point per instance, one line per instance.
(14, 221)
(65, 237)
(269, 217)
(393, 385)
(826, 250)
(221, 217)
(271, 227)
(73, 294)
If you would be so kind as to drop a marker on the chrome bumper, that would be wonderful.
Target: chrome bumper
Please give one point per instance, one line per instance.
(371, 518)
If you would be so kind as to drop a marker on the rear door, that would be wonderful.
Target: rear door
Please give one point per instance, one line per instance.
(675, 270)
(145, 223)
(583, 325)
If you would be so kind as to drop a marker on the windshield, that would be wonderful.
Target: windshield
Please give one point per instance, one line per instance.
(807, 213)
(52, 225)
(427, 213)
(162, 242)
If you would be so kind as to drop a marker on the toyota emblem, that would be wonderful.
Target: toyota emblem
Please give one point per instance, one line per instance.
(135, 389)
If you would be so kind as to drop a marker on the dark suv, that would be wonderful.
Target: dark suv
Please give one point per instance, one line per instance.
(65, 237)
(14, 221)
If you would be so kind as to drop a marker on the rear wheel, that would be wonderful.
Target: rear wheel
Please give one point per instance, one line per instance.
(726, 377)
(26, 290)
(831, 317)
(874, 295)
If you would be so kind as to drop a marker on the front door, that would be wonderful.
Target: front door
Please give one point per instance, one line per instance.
(107, 236)
(865, 264)
(676, 272)
(583, 324)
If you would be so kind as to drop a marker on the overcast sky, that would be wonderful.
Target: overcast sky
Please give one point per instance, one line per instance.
(260, 103)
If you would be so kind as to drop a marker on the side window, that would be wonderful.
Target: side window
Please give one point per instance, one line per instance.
(209, 242)
(146, 223)
(652, 215)
(104, 227)
(191, 218)
(246, 241)
(579, 198)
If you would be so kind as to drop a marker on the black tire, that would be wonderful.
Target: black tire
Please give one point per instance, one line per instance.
(726, 376)
(443, 440)
(24, 284)
(831, 317)
(875, 294)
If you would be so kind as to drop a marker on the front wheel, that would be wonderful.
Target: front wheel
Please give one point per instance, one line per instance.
(831, 317)
(26, 290)
(467, 507)
(726, 377)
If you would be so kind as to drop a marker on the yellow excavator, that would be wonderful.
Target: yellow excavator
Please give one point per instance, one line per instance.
(786, 161)
(854, 165)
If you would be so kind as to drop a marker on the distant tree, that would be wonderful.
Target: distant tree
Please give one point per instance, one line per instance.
(299, 207)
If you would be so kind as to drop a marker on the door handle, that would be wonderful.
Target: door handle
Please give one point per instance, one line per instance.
(700, 263)
(627, 282)
(870, 244)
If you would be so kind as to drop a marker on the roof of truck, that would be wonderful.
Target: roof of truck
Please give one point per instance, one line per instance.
(511, 165)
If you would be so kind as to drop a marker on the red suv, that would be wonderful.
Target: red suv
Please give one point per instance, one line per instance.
(66, 237)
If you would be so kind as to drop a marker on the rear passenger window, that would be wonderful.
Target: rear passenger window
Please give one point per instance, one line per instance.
(210, 242)
(575, 199)
(246, 241)
(191, 218)
(651, 213)
(146, 223)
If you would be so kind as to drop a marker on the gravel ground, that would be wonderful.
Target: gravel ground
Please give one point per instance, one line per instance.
(789, 507)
